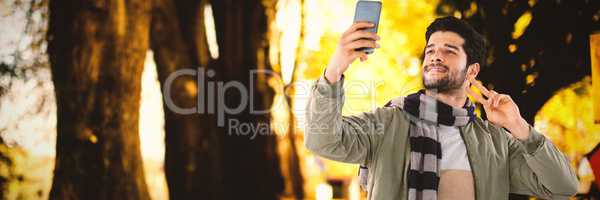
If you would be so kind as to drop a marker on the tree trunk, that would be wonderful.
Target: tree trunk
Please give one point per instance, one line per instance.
(295, 170)
(250, 160)
(202, 159)
(96, 51)
(192, 155)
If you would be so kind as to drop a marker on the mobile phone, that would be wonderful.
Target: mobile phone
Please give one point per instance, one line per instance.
(368, 11)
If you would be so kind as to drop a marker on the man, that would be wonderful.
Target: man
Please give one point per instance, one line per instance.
(431, 145)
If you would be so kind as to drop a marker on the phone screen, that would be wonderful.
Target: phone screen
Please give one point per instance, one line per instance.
(368, 11)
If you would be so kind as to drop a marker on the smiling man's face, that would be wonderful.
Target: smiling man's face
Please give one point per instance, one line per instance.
(445, 62)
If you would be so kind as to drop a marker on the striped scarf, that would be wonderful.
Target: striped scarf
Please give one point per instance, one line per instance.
(425, 114)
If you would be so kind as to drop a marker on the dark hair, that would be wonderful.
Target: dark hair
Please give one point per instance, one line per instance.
(474, 44)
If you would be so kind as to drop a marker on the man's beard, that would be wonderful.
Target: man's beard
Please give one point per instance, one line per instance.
(452, 81)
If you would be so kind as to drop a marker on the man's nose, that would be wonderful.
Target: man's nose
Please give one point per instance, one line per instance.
(436, 57)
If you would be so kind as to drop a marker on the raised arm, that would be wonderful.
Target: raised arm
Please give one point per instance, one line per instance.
(328, 134)
(537, 167)
(350, 139)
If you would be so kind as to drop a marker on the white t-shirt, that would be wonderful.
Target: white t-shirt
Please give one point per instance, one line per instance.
(454, 152)
(456, 178)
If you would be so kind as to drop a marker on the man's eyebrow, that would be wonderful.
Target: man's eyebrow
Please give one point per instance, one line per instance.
(452, 47)
(429, 45)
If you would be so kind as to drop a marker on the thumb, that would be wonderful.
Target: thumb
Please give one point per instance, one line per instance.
(363, 57)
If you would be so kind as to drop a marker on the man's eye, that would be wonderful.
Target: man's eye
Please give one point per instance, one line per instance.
(429, 52)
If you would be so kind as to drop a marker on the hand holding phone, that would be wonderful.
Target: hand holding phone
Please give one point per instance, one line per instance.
(356, 42)
(368, 11)
(355, 37)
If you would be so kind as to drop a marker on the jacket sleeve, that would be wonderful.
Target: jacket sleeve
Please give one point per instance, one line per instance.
(350, 139)
(538, 168)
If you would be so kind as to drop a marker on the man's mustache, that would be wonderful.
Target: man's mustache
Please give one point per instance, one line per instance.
(428, 67)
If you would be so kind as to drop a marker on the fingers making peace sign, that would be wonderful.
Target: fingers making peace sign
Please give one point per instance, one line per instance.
(500, 110)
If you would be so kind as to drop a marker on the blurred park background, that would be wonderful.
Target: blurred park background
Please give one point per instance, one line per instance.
(83, 115)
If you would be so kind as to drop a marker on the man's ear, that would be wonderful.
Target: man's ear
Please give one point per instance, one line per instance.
(473, 70)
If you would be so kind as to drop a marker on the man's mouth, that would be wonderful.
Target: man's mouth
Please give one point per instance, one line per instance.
(436, 69)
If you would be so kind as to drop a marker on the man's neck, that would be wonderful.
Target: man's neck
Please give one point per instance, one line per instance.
(454, 98)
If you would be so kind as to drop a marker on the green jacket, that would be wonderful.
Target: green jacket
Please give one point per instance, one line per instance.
(378, 139)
